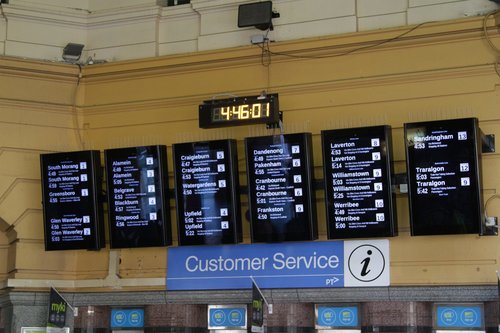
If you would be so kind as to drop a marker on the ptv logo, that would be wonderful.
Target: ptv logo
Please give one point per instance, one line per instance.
(367, 264)
(331, 281)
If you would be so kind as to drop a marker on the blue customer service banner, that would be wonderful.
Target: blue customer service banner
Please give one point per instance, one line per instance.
(464, 317)
(332, 264)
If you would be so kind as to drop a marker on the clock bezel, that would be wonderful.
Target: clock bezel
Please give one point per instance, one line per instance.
(206, 110)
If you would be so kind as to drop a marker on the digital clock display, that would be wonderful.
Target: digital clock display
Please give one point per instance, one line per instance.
(239, 111)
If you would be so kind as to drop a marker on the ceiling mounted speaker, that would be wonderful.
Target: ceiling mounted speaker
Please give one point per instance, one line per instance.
(72, 52)
(258, 14)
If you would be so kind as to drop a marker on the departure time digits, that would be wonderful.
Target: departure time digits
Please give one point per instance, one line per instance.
(240, 112)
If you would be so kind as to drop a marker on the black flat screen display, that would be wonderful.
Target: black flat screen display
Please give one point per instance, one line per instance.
(444, 176)
(206, 191)
(72, 209)
(281, 197)
(138, 200)
(357, 169)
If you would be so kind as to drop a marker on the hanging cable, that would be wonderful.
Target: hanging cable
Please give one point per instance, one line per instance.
(488, 38)
(2, 14)
(76, 122)
(265, 57)
(495, 196)
(266, 51)
(485, 31)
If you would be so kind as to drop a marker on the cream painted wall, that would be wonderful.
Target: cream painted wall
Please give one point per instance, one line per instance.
(36, 116)
(69, 4)
(96, 5)
(440, 70)
(113, 30)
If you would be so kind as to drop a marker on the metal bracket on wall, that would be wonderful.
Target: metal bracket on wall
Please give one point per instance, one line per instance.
(279, 124)
(488, 143)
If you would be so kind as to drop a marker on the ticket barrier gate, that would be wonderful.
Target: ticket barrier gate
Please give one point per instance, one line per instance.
(227, 318)
(127, 320)
(337, 318)
(458, 318)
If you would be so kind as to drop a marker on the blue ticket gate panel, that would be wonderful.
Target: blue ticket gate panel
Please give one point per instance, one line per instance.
(458, 317)
(337, 318)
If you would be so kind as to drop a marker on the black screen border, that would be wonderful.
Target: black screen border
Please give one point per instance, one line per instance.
(93, 158)
(473, 125)
(305, 139)
(383, 132)
(230, 149)
(160, 152)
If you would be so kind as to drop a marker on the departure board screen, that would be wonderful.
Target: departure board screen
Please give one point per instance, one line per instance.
(357, 169)
(138, 199)
(281, 196)
(444, 176)
(72, 209)
(206, 191)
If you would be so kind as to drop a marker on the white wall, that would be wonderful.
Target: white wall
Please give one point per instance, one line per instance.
(130, 29)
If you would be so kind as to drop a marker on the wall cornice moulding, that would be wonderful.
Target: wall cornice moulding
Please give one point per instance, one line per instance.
(46, 14)
(81, 18)
(39, 70)
(332, 86)
(176, 13)
(482, 293)
(328, 46)
(122, 15)
(200, 5)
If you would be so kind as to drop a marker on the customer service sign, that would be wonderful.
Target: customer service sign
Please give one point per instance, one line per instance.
(330, 264)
